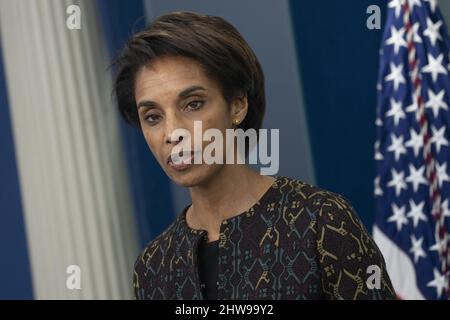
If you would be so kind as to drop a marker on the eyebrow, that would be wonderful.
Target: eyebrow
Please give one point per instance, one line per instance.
(183, 94)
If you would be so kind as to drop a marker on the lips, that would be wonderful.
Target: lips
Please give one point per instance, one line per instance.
(180, 158)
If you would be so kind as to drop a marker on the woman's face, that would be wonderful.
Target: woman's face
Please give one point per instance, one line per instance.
(171, 93)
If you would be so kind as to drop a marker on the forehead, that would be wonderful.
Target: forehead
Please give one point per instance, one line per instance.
(169, 75)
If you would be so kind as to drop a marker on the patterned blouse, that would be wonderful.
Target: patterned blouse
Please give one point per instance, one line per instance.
(297, 242)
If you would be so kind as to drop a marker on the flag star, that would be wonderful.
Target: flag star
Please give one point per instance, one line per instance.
(377, 190)
(432, 31)
(449, 62)
(436, 101)
(415, 141)
(398, 181)
(416, 177)
(442, 173)
(438, 137)
(396, 74)
(416, 37)
(439, 282)
(378, 155)
(398, 217)
(397, 5)
(397, 39)
(434, 66)
(440, 245)
(412, 107)
(433, 4)
(416, 212)
(397, 146)
(445, 208)
(416, 248)
(378, 122)
(396, 111)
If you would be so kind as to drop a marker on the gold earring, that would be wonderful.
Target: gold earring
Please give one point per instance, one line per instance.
(236, 122)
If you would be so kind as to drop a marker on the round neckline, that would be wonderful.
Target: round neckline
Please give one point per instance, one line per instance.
(262, 200)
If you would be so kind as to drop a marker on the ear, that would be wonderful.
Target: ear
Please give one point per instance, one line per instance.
(239, 108)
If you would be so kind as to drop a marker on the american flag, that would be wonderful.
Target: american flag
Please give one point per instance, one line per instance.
(412, 150)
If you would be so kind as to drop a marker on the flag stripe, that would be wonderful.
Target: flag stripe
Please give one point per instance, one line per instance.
(412, 183)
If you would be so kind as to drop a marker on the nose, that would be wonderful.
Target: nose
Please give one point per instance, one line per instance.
(174, 138)
(175, 130)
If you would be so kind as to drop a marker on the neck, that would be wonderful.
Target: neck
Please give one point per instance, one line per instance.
(233, 190)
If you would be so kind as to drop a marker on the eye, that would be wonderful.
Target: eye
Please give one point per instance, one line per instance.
(195, 105)
(152, 119)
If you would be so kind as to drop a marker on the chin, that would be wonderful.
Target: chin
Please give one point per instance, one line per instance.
(193, 176)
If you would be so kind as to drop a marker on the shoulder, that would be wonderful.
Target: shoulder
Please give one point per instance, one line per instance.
(331, 215)
(316, 207)
(310, 196)
(337, 222)
(149, 263)
(345, 250)
(327, 216)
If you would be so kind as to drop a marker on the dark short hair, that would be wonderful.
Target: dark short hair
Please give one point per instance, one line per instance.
(211, 41)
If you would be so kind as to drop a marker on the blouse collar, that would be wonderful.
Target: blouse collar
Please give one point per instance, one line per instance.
(261, 203)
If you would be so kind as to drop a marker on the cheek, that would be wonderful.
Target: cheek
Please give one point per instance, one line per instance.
(152, 140)
(218, 123)
(218, 118)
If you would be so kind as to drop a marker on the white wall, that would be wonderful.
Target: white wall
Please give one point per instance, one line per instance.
(77, 209)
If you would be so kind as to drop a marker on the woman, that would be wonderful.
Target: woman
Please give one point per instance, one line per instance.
(245, 235)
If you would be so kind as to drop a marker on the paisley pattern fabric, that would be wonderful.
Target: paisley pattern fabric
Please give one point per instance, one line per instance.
(297, 242)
